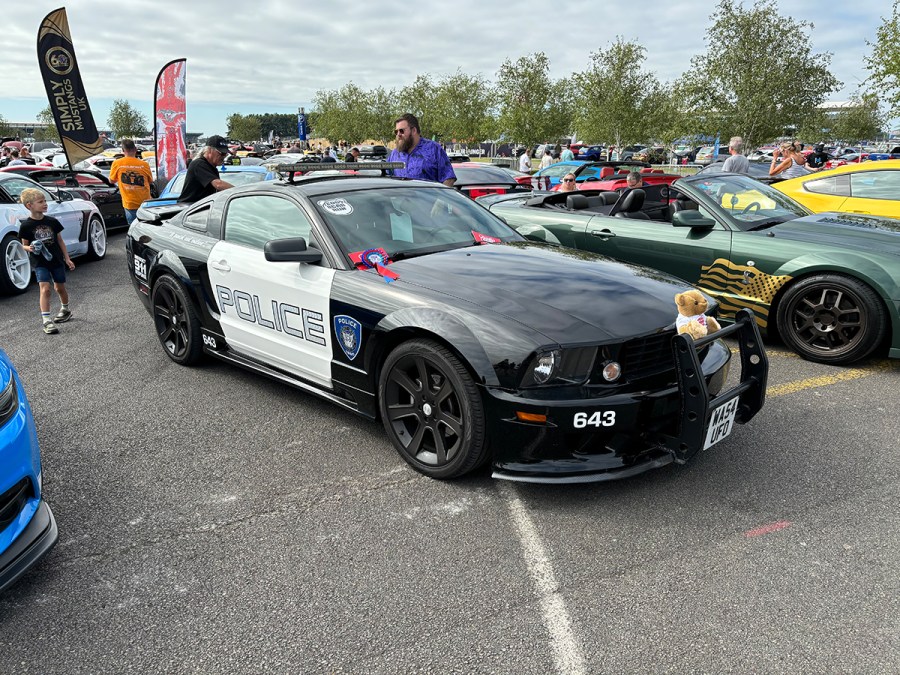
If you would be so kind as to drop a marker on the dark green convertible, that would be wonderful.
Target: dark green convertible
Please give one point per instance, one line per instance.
(828, 284)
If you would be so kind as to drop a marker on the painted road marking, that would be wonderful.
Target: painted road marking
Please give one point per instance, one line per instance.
(827, 380)
(566, 650)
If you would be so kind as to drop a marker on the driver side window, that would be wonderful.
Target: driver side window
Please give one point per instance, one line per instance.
(255, 219)
(14, 187)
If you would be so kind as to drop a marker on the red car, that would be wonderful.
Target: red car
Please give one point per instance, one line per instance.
(610, 179)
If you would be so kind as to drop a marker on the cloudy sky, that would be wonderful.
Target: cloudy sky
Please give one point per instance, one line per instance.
(273, 55)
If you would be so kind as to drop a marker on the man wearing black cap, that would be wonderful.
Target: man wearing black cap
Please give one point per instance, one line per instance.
(202, 177)
(816, 161)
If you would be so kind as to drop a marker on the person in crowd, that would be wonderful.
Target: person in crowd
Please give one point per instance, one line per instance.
(14, 159)
(133, 177)
(787, 162)
(4, 156)
(737, 162)
(424, 159)
(352, 155)
(568, 183)
(633, 181)
(202, 178)
(525, 161)
(25, 156)
(547, 159)
(295, 148)
(816, 161)
(567, 154)
(329, 152)
(41, 236)
(556, 157)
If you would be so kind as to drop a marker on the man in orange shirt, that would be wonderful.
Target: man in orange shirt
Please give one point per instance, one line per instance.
(133, 177)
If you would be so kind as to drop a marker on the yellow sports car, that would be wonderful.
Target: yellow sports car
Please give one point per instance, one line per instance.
(870, 187)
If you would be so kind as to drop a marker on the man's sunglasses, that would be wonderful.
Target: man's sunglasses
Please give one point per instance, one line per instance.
(400, 132)
(568, 180)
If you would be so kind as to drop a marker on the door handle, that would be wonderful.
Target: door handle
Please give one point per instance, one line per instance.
(603, 234)
(221, 266)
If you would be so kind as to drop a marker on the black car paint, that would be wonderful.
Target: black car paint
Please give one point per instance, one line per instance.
(495, 307)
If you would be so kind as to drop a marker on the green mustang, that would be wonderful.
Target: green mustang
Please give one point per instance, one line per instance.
(828, 284)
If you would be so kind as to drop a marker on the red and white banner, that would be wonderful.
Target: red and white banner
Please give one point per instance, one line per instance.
(170, 120)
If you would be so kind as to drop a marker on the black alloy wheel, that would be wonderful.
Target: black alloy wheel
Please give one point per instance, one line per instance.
(831, 318)
(176, 323)
(432, 410)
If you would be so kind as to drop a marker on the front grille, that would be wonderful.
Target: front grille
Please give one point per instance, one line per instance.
(9, 402)
(13, 501)
(640, 358)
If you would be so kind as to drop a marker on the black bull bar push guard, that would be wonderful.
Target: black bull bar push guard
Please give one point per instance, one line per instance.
(695, 404)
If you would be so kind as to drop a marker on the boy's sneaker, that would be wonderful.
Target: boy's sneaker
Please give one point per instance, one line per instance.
(50, 328)
(63, 316)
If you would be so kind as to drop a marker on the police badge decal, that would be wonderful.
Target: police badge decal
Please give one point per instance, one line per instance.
(348, 332)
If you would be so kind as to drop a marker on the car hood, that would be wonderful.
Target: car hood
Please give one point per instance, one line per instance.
(847, 230)
(571, 297)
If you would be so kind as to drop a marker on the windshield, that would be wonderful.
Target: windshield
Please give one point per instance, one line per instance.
(407, 220)
(747, 203)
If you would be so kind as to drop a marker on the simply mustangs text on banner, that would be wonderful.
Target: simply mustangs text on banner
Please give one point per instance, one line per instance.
(65, 91)
(170, 120)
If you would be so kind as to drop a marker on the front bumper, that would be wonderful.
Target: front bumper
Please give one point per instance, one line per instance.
(29, 547)
(649, 429)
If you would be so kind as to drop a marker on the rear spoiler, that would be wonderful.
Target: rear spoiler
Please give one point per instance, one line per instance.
(156, 214)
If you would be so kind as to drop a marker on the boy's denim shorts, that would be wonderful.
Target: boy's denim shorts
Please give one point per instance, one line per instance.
(44, 274)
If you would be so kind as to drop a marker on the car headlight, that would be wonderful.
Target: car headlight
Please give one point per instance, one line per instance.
(559, 367)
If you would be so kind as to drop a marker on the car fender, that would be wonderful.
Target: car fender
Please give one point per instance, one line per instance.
(858, 266)
(86, 217)
(443, 327)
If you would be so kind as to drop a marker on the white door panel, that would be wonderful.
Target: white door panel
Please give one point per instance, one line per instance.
(276, 312)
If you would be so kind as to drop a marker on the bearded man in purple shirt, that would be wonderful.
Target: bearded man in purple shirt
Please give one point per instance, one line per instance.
(424, 159)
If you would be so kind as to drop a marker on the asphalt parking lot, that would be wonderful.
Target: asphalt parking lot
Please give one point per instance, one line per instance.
(213, 521)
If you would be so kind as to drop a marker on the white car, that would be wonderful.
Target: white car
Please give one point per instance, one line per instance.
(84, 231)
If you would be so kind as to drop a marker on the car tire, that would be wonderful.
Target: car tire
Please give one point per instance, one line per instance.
(15, 273)
(175, 321)
(832, 319)
(432, 410)
(96, 239)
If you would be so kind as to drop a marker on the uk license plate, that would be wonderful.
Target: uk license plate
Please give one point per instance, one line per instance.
(721, 422)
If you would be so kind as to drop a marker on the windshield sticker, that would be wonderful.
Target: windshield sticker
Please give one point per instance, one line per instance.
(337, 206)
(484, 239)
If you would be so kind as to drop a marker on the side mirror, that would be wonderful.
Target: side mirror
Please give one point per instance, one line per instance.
(692, 219)
(291, 250)
(65, 196)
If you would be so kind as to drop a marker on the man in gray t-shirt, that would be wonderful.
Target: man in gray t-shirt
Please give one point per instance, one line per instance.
(737, 163)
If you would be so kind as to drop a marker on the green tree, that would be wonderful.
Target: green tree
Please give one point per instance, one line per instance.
(532, 107)
(617, 101)
(884, 63)
(49, 133)
(283, 124)
(244, 128)
(463, 108)
(125, 121)
(4, 127)
(860, 121)
(759, 78)
(420, 99)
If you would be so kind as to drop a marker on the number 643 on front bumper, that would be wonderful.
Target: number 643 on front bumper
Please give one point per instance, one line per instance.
(600, 418)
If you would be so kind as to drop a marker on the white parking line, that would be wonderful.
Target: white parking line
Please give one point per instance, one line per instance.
(566, 650)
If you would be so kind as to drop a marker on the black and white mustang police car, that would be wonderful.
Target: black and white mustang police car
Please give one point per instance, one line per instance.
(408, 302)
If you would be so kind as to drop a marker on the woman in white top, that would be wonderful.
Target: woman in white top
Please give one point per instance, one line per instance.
(525, 161)
(788, 162)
